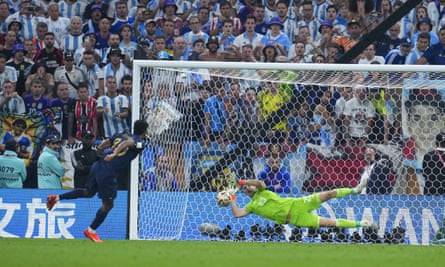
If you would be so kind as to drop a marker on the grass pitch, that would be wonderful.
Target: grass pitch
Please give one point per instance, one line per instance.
(56, 252)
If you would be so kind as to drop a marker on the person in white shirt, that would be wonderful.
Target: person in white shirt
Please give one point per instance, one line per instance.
(70, 74)
(359, 117)
(369, 56)
(57, 24)
(10, 101)
(249, 36)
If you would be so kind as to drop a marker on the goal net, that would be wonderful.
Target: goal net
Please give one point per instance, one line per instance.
(302, 128)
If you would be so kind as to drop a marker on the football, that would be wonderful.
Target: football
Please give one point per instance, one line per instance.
(223, 199)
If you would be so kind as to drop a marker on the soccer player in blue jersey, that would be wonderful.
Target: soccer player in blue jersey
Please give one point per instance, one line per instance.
(104, 173)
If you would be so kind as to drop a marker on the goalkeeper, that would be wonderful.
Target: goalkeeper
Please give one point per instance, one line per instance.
(295, 211)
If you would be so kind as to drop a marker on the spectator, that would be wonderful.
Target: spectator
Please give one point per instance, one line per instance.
(83, 159)
(39, 71)
(121, 17)
(12, 168)
(269, 52)
(197, 49)
(195, 33)
(113, 43)
(160, 177)
(270, 99)
(113, 108)
(127, 45)
(103, 35)
(96, 5)
(435, 12)
(249, 36)
(30, 50)
(70, 74)
(339, 107)
(17, 133)
(212, 53)
(299, 56)
(147, 36)
(10, 100)
(369, 55)
(398, 55)
(93, 74)
(309, 19)
(226, 38)
(217, 23)
(430, 55)
(302, 36)
(261, 23)
(92, 24)
(27, 19)
(71, 8)
(360, 11)
(39, 39)
(36, 101)
(425, 119)
(299, 127)
(22, 67)
(434, 168)
(4, 14)
(375, 174)
(74, 38)
(359, 117)
(8, 44)
(425, 26)
(389, 40)
(50, 56)
(57, 24)
(324, 123)
(115, 68)
(125, 89)
(280, 40)
(282, 12)
(49, 169)
(169, 14)
(180, 49)
(332, 15)
(7, 73)
(422, 43)
(320, 9)
(63, 101)
(88, 43)
(168, 33)
(275, 176)
(82, 115)
(216, 116)
(354, 29)
(204, 19)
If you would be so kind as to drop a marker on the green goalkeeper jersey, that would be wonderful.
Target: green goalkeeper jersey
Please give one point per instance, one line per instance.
(269, 205)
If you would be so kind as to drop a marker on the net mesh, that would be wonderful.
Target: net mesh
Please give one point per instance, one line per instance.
(209, 126)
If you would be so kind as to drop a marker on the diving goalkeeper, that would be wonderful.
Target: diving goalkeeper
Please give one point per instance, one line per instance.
(295, 211)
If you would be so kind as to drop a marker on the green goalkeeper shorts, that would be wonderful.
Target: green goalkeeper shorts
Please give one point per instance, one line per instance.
(301, 211)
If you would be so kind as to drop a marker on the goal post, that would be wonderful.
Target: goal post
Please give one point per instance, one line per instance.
(408, 113)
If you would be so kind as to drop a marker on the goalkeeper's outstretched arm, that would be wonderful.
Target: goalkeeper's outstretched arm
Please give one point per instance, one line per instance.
(237, 211)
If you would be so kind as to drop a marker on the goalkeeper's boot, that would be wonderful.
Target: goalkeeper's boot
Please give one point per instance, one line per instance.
(51, 200)
(361, 186)
(92, 236)
(369, 224)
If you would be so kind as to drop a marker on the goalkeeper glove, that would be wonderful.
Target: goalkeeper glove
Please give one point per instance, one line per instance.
(231, 190)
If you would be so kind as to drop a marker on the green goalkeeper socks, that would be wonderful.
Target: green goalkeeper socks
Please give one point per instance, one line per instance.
(344, 223)
(342, 192)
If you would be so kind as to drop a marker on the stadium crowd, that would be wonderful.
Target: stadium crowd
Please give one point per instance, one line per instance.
(77, 55)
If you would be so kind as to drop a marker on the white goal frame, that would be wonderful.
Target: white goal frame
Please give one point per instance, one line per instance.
(136, 105)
